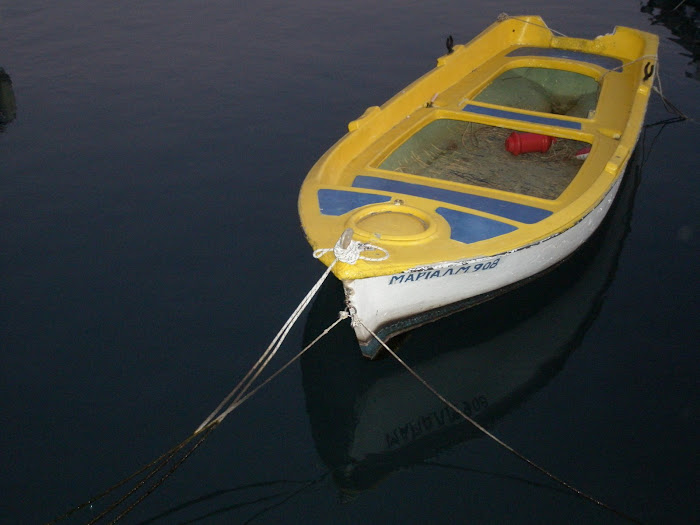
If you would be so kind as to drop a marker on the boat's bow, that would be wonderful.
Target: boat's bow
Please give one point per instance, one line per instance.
(484, 172)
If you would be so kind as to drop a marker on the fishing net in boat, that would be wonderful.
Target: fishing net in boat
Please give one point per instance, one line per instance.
(545, 90)
(472, 153)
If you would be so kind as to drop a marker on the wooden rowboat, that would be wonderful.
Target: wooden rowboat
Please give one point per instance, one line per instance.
(380, 419)
(479, 176)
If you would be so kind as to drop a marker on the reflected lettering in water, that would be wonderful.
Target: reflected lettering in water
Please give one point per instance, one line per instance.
(370, 419)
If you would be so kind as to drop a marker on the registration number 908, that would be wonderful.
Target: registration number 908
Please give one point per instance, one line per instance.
(433, 274)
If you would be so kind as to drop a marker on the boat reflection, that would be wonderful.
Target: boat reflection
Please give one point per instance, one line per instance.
(370, 418)
(8, 106)
(680, 17)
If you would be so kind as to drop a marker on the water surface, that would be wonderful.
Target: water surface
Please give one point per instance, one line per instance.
(150, 249)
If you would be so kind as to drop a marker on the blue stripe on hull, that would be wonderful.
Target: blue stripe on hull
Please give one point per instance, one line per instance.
(464, 227)
(506, 209)
(468, 228)
(338, 202)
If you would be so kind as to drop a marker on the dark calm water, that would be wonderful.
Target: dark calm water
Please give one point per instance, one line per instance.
(150, 249)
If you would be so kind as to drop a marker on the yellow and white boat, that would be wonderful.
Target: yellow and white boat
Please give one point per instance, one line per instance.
(487, 171)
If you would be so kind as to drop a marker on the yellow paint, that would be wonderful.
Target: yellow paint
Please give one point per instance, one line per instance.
(418, 236)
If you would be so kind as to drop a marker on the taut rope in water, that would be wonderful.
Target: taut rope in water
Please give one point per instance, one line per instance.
(241, 389)
(491, 436)
(346, 250)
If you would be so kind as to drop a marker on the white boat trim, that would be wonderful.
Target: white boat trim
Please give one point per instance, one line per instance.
(391, 304)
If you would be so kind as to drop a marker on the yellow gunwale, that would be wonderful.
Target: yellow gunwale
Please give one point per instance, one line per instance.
(442, 94)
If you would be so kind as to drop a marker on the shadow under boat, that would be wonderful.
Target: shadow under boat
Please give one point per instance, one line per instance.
(370, 418)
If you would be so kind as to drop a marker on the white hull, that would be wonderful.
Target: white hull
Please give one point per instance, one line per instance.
(389, 305)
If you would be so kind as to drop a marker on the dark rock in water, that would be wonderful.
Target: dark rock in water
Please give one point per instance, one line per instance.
(8, 106)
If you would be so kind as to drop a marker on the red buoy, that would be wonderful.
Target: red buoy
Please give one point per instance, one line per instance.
(518, 143)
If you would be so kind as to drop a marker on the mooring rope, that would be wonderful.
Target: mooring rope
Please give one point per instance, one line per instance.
(346, 251)
(160, 463)
(490, 435)
(154, 466)
(242, 387)
(505, 16)
(153, 487)
(668, 105)
(243, 397)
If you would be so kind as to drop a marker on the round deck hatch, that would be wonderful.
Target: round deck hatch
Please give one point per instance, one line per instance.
(392, 222)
